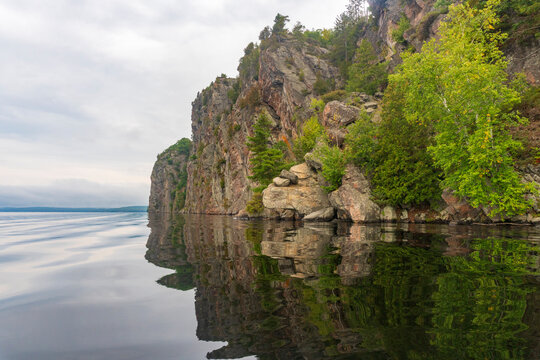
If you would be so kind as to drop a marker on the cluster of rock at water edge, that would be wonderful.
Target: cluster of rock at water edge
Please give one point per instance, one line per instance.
(299, 194)
(306, 199)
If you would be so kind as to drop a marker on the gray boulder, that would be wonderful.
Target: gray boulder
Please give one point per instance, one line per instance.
(337, 114)
(313, 161)
(281, 182)
(292, 177)
(325, 214)
(352, 200)
(302, 199)
(389, 214)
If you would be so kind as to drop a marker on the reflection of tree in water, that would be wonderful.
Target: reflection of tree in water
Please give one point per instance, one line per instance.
(352, 296)
(481, 301)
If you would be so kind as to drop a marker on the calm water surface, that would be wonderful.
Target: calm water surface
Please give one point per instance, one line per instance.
(84, 286)
(77, 286)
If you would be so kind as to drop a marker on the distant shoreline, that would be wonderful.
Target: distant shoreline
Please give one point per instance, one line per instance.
(67, 209)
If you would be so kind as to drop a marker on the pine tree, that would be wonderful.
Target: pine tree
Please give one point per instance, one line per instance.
(267, 161)
(366, 74)
(278, 29)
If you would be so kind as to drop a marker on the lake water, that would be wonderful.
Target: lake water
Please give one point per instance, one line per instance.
(84, 286)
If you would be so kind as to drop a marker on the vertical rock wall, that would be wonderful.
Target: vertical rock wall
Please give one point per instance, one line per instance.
(218, 169)
(165, 176)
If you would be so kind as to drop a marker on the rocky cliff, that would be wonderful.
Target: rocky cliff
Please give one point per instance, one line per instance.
(167, 191)
(218, 170)
(281, 77)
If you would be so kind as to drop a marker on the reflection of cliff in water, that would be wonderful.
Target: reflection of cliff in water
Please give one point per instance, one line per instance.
(281, 290)
(167, 249)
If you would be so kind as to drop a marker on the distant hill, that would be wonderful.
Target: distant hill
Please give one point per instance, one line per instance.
(65, 209)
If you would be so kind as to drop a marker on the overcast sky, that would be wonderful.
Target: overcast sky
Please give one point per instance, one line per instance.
(92, 90)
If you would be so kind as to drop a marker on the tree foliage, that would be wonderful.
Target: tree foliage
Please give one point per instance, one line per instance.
(248, 68)
(403, 25)
(182, 146)
(357, 9)
(348, 26)
(366, 74)
(458, 86)
(333, 165)
(360, 142)
(255, 205)
(267, 161)
(404, 173)
(278, 29)
(265, 33)
(311, 132)
(521, 18)
(394, 154)
(344, 42)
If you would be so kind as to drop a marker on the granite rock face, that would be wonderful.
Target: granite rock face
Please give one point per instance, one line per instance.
(281, 182)
(296, 200)
(459, 209)
(166, 173)
(325, 214)
(352, 199)
(219, 165)
(336, 114)
(292, 177)
(287, 77)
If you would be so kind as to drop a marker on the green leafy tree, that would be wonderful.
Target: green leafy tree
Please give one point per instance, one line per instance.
(255, 205)
(322, 86)
(317, 105)
(182, 146)
(357, 9)
(520, 17)
(321, 37)
(311, 131)
(366, 74)
(234, 92)
(395, 154)
(360, 142)
(333, 165)
(458, 86)
(267, 161)
(298, 30)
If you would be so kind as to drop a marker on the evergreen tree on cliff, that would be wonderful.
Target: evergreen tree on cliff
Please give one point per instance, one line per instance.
(278, 30)
(267, 161)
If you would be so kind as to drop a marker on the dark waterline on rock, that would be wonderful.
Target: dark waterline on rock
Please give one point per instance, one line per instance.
(77, 286)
